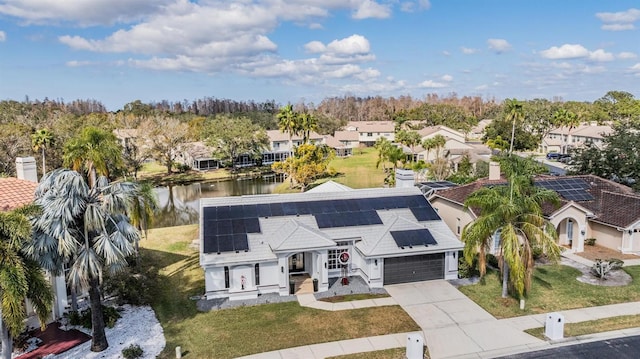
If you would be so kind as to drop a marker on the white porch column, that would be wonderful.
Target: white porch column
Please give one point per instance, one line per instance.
(579, 245)
(59, 287)
(283, 274)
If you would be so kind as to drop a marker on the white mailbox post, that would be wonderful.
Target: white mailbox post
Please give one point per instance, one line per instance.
(554, 326)
(415, 346)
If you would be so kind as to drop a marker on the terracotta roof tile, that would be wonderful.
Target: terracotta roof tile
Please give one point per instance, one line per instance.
(15, 193)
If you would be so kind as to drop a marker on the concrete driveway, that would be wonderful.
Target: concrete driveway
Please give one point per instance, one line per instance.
(453, 325)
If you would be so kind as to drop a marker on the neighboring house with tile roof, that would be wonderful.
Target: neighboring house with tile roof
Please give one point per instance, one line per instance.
(252, 245)
(591, 207)
(16, 193)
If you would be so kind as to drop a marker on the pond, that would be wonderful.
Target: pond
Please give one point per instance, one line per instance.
(179, 205)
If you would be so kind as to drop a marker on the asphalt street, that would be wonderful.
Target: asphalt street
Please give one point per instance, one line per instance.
(619, 348)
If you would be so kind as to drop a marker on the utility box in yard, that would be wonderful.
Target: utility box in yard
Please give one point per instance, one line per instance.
(554, 326)
(415, 346)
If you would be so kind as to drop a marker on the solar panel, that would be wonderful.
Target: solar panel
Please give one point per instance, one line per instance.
(276, 209)
(341, 206)
(365, 204)
(352, 205)
(289, 209)
(209, 213)
(314, 207)
(210, 243)
(252, 225)
(225, 243)
(323, 221)
(224, 227)
(303, 208)
(236, 212)
(413, 237)
(264, 210)
(327, 207)
(238, 226)
(222, 212)
(425, 214)
(250, 211)
(576, 195)
(240, 242)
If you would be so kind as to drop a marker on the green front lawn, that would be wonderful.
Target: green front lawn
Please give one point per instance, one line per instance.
(592, 326)
(554, 288)
(244, 330)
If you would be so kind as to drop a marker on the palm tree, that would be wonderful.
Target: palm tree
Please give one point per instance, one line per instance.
(20, 278)
(142, 208)
(307, 123)
(515, 113)
(514, 212)
(439, 141)
(83, 228)
(428, 144)
(288, 122)
(40, 141)
(409, 138)
(94, 152)
(568, 119)
(382, 145)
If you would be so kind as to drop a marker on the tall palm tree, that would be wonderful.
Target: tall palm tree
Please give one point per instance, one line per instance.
(288, 122)
(515, 113)
(308, 123)
(439, 141)
(20, 278)
(142, 208)
(382, 145)
(569, 119)
(83, 228)
(409, 138)
(40, 141)
(514, 212)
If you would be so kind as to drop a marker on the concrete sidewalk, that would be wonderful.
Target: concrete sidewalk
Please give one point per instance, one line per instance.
(309, 300)
(453, 326)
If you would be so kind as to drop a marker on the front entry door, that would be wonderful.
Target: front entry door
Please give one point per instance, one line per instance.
(296, 263)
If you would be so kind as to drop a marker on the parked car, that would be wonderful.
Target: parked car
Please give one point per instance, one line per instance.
(553, 156)
(566, 159)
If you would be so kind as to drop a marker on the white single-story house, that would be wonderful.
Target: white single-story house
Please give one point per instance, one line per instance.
(251, 245)
(370, 131)
(591, 207)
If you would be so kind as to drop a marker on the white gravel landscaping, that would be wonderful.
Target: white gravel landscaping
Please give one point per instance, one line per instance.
(137, 325)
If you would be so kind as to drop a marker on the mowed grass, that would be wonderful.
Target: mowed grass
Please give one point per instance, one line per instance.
(592, 326)
(359, 170)
(396, 353)
(244, 330)
(554, 288)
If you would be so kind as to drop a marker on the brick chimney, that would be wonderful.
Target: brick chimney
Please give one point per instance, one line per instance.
(494, 171)
(26, 169)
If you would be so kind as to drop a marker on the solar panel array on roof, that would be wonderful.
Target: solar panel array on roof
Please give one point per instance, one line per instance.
(413, 237)
(226, 227)
(571, 189)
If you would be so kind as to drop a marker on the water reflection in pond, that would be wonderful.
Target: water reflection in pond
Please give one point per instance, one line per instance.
(178, 205)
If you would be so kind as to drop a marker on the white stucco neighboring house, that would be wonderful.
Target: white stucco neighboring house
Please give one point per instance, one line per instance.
(557, 139)
(251, 245)
(370, 131)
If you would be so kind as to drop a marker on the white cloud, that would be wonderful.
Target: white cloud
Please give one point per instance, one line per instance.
(431, 84)
(84, 13)
(566, 51)
(617, 27)
(371, 9)
(447, 78)
(315, 47)
(627, 55)
(635, 68)
(600, 56)
(354, 44)
(3, 36)
(619, 21)
(481, 87)
(411, 6)
(631, 15)
(498, 45)
(468, 51)
(74, 63)
(446, 53)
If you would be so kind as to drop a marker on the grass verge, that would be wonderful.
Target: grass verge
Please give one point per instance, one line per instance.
(592, 326)
(352, 297)
(395, 353)
(554, 288)
(244, 330)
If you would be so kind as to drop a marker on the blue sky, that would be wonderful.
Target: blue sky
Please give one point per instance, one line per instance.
(117, 51)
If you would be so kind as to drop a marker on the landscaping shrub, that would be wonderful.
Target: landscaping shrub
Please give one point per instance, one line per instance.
(602, 267)
(133, 351)
(83, 318)
(492, 261)
(590, 241)
(465, 270)
(129, 286)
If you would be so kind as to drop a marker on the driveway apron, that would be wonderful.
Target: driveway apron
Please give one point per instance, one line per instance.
(452, 324)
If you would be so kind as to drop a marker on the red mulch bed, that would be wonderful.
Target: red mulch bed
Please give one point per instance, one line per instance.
(55, 341)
